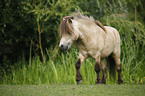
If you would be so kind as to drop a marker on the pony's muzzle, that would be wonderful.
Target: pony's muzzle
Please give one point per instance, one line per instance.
(63, 47)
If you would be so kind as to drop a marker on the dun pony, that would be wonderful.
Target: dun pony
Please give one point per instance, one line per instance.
(93, 41)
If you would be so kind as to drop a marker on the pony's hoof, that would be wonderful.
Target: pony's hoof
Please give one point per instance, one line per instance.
(120, 82)
(103, 82)
(98, 83)
(79, 82)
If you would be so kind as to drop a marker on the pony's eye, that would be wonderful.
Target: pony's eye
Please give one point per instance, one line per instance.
(68, 33)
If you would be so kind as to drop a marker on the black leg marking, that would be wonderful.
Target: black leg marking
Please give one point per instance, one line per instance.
(120, 81)
(97, 69)
(78, 64)
(78, 74)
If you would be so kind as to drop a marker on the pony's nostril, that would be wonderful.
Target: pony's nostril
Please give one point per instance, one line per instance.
(61, 46)
(64, 47)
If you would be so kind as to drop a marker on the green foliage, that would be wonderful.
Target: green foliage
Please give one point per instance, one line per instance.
(16, 27)
(49, 14)
(99, 8)
(136, 10)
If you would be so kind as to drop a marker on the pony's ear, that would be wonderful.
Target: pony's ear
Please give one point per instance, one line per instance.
(68, 18)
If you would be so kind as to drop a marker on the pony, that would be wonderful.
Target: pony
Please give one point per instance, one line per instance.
(93, 41)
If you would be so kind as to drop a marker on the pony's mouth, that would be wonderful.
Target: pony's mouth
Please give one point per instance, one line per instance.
(65, 45)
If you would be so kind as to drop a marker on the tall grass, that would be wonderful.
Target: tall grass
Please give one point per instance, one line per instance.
(59, 68)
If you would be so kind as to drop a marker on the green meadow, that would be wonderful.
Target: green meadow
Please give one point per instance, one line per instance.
(72, 90)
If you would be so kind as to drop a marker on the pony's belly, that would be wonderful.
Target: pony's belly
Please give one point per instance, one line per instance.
(105, 54)
(107, 51)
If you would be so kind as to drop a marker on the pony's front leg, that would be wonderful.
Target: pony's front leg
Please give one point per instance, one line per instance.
(97, 68)
(78, 69)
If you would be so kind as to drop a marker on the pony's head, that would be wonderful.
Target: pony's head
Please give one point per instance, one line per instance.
(67, 33)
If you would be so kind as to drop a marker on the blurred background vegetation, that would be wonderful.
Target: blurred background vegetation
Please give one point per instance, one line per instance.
(29, 30)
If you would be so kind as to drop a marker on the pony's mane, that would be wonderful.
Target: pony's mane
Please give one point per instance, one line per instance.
(66, 27)
(91, 19)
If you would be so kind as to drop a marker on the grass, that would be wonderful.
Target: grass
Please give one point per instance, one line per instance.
(72, 90)
(62, 71)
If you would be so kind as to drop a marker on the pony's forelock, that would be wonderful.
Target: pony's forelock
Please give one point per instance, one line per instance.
(66, 27)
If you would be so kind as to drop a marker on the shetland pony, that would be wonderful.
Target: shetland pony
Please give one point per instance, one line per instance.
(93, 40)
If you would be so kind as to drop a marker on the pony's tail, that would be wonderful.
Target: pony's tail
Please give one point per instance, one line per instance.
(112, 67)
(100, 24)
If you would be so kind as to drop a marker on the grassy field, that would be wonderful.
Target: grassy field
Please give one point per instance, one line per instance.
(72, 90)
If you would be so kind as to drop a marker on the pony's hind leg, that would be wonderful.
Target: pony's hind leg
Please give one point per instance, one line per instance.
(118, 66)
(78, 69)
(103, 66)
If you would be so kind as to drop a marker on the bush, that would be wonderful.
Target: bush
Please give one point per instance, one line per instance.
(16, 29)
